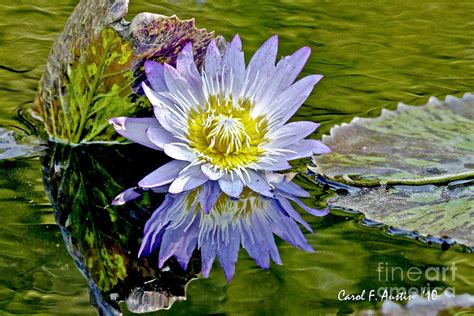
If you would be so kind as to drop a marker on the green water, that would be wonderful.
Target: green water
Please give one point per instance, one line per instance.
(373, 55)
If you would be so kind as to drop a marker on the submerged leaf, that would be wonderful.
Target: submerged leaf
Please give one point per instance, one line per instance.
(96, 63)
(103, 239)
(433, 143)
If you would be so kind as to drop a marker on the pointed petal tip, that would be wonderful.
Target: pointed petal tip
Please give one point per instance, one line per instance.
(229, 277)
(316, 78)
(118, 122)
(303, 53)
(117, 202)
(321, 149)
(187, 49)
(161, 262)
(206, 266)
(278, 261)
(174, 189)
(169, 67)
(264, 265)
(236, 43)
(149, 64)
(319, 213)
(212, 45)
(271, 42)
(305, 194)
(183, 264)
(126, 196)
(229, 270)
(313, 125)
(145, 87)
(306, 49)
(142, 184)
(325, 211)
(189, 45)
(142, 253)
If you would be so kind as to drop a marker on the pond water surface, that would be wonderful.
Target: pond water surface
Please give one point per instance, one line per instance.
(373, 54)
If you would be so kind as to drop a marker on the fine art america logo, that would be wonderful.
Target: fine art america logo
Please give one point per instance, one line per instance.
(387, 273)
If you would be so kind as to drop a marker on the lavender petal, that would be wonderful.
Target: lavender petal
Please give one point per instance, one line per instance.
(209, 195)
(155, 74)
(163, 175)
(134, 129)
(126, 196)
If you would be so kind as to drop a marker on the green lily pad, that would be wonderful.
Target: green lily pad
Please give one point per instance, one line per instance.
(95, 68)
(433, 143)
(442, 212)
(404, 160)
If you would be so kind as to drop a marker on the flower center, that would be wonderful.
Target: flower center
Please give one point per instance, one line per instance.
(224, 134)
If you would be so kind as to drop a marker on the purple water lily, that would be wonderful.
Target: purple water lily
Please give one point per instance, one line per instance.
(217, 225)
(227, 123)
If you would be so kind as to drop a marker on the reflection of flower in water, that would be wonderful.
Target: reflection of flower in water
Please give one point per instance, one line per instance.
(216, 225)
(227, 123)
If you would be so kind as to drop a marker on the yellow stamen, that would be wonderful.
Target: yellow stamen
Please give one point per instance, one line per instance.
(224, 134)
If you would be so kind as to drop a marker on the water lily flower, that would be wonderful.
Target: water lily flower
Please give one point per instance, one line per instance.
(227, 123)
(185, 222)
